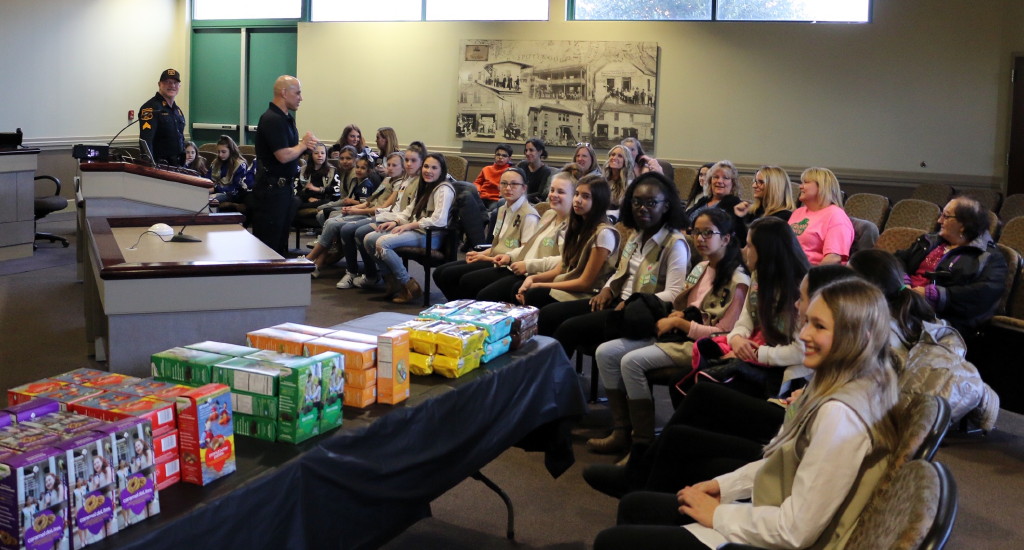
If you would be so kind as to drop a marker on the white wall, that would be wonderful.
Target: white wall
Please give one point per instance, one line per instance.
(923, 83)
(71, 69)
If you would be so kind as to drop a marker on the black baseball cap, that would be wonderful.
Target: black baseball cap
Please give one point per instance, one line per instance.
(170, 74)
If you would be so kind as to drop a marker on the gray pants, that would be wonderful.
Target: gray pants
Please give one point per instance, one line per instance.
(623, 365)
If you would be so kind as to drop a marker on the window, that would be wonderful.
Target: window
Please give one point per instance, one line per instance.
(847, 11)
(428, 10)
(203, 10)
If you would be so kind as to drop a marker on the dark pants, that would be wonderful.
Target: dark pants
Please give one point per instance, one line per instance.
(449, 278)
(574, 325)
(650, 521)
(500, 285)
(275, 209)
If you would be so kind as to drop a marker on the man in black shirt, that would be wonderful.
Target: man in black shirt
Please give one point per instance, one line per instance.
(278, 149)
(163, 123)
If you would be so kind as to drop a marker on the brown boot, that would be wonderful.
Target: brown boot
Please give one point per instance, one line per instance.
(641, 415)
(619, 440)
(391, 286)
(411, 291)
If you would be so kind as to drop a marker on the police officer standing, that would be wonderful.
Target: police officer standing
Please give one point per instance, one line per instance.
(163, 123)
(278, 149)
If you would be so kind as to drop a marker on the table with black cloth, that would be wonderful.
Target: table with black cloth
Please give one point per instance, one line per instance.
(362, 485)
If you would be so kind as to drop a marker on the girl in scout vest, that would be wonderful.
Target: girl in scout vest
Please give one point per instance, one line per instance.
(655, 260)
(588, 255)
(819, 471)
(227, 172)
(715, 430)
(434, 199)
(318, 185)
(342, 228)
(406, 195)
(516, 222)
(710, 303)
(540, 253)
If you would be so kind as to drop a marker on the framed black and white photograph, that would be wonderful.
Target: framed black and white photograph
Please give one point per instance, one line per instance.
(564, 92)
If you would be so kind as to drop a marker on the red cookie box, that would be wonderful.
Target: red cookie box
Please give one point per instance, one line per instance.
(148, 387)
(165, 447)
(207, 434)
(93, 378)
(168, 472)
(111, 406)
(70, 393)
(79, 376)
(31, 390)
(30, 410)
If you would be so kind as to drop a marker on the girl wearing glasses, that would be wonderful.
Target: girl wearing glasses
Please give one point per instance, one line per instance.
(516, 222)
(489, 179)
(819, 471)
(587, 255)
(710, 303)
(720, 191)
(654, 260)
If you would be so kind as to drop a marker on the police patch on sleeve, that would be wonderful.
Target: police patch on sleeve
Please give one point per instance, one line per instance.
(146, 114)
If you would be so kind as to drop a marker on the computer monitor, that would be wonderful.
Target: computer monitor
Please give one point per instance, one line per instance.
(145, 152)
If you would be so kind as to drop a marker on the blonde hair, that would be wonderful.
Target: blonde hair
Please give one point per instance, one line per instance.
(829, 192)
(778, 193)
(729, 167)
(620, 183)
(860, 315)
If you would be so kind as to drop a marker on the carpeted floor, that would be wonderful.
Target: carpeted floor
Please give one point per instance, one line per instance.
(42, 333)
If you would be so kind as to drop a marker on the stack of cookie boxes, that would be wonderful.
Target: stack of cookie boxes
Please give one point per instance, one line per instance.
(68, 480)
(454, 338)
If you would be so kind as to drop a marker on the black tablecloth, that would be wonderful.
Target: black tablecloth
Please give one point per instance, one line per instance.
(363, 485)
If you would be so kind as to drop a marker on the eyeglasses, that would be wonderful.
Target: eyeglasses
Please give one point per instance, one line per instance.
(759, 182)
(583, 144)
(647, 203)
(171, 83)
(944, 216)
(509, 184)
(706, 234)
(501, 155)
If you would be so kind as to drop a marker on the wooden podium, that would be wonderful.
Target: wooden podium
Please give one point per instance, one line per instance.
(144, 294)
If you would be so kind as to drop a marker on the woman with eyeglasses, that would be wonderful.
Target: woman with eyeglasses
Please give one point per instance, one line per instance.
(821, 225)
(773, 196)
(720, 191)
(654, 260)
(958, 270)
(710, 303)
(516, 222)
(588, 252)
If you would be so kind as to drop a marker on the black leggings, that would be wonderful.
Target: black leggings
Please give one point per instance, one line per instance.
(501, 285)
(649, 520)
(449, 277)
(574, 325)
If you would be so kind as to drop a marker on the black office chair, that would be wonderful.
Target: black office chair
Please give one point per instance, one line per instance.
(47, 205)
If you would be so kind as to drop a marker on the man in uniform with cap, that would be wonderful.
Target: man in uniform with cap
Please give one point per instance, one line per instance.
(163, 123)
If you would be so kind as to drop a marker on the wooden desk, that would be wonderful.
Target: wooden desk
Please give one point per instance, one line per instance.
(155, 296)
(17, 202)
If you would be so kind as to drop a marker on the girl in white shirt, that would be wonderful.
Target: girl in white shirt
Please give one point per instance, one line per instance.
(819, 471)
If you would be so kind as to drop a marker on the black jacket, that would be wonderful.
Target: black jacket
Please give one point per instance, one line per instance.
(970, 279)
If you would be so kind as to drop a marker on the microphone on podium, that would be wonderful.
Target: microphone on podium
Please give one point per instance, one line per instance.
(181, 237)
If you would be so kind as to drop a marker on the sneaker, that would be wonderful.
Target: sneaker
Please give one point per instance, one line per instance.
(363, 281)
(346, 281)
(316, 272)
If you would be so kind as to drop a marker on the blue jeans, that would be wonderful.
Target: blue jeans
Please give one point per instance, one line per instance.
(343, 229)
(382, 247)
